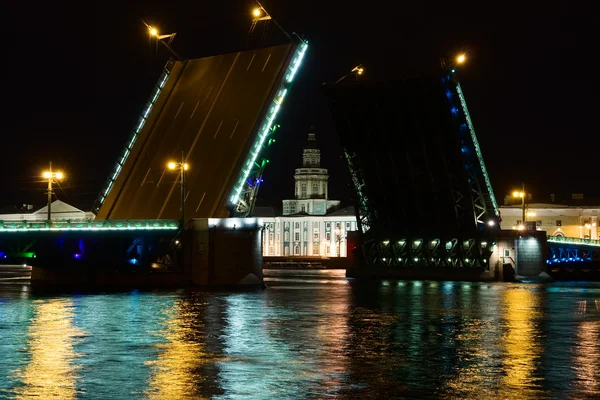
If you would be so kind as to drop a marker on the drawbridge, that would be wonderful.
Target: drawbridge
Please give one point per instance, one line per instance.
(421, 187)
(219, 111)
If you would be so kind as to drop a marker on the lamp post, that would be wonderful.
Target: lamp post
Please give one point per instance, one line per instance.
(521, 194)
(154, 32)
(358, 70)
(51, 176)
(182, 166)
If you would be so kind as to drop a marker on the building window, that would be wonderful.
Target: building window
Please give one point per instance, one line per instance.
(271, 250)
(316, 236)
(297, 225)
(287, 236)
(287, 225)
(328, 225)
(337, 225)
(518, 222)
(327, 250)
(558, 222)
(327, 236)
(506, 253)
(315, 189)
(303, 190)
(316, 225)
(305, 236)
(347, 226)
(271, 226)
(293, 208)
(297, 236)
(538, 223)
(296, 250)
(271, 236)
(315, 249)
(303, 208)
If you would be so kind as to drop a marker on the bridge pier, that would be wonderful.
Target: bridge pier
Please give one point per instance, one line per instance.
(520, 254)
(224, 252)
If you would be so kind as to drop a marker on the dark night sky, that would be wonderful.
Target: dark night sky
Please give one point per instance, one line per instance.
(77, 78)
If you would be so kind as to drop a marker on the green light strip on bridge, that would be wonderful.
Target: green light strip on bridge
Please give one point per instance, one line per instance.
(572, 240)
(488, 183)
(268, 122)
(114, 225)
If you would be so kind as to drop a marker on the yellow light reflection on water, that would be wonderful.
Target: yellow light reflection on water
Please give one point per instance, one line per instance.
(521, 346)
(51, 372)
(175, 372)
(587, 357)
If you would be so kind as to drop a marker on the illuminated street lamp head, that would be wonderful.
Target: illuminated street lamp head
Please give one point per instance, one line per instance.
(55, 175)
(257, 12)
(359, 69)
(518, 194)
(172, 165)
(461, 58)
(186, 166)
(153, 31)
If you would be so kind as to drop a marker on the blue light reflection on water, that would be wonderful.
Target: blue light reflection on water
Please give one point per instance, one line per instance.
(358, 340)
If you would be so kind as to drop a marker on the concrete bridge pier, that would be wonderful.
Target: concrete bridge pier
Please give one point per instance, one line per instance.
(224, 251)
(520, 253)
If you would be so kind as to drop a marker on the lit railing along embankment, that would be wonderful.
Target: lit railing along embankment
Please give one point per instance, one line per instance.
(575, 241)
(89, 225)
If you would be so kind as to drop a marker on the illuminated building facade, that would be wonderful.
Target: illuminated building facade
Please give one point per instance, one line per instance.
(556, 219)
(311, 224)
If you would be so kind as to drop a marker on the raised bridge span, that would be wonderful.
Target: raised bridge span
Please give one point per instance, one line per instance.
(219, 111)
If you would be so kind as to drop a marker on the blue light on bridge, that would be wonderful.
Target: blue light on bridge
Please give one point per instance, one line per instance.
(454, 110)
(77, 256)
(133, 261)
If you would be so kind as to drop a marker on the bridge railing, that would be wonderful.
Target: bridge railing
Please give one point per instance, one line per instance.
(88, 225)
(572, 240)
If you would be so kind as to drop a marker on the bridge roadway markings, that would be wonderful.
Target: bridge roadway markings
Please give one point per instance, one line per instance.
(234, 128)
(214, 162)
(250, 63)
(171, 136)
(139, 198)
(208, 114)
(178, 110)
(200, 203)
(194, 109)
(146, 176)
(218, 129)
(266, 62)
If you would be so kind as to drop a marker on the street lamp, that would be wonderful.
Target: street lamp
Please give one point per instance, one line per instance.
(461, 58)
(51, 176)
(358, 70)
(521, 194)
(181, 166)
(154, 32)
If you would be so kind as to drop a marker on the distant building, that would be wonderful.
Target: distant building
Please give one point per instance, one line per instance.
(60, 211)
(311, 224)
(578, 219)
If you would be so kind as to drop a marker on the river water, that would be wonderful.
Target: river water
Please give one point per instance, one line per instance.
(314, 338)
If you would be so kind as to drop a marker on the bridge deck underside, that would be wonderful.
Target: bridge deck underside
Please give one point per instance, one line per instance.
(404, 143)
(210, 108)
